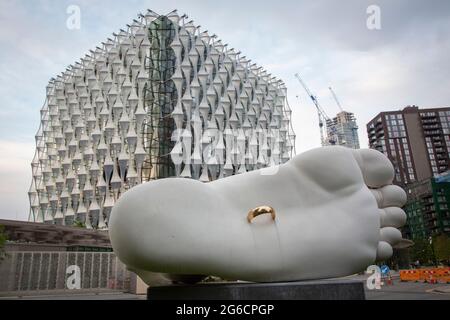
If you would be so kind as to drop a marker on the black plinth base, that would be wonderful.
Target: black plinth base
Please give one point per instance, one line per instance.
(300, 290)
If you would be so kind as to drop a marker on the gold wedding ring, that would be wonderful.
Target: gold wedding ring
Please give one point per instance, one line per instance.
(260, 210)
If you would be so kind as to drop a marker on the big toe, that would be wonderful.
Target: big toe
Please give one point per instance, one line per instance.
(376, 168)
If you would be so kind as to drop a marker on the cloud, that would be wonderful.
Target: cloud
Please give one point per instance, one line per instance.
(15, 177)
(326, 41)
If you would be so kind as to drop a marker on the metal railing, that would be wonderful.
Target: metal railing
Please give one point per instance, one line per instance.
(33, 270)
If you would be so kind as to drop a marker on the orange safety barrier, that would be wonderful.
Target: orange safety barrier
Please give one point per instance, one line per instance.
(430, 275)
(442, 275)
(409, 275)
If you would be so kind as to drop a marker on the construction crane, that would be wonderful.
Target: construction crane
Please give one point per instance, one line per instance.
(327, 137)
(336, 99)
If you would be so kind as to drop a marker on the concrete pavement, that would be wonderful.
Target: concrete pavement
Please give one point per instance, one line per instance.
(406, 290)
(397, 291)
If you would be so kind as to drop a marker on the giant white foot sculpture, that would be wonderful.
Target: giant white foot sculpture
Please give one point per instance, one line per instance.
(335, 213)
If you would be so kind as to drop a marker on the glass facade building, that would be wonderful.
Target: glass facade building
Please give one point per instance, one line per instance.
(159, 99)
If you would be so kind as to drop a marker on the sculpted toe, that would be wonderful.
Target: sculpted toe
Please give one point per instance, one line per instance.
(376, 168)
(384, 251)
(392, 217)
(390, 235)
(390, 196)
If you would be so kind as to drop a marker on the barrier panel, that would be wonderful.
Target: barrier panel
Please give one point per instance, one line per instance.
(428, 275)
(409, 275)
(442, 275)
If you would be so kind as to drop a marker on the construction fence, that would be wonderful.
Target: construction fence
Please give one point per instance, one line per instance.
(429, 275)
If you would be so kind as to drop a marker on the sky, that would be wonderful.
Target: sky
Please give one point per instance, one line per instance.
(404, 61)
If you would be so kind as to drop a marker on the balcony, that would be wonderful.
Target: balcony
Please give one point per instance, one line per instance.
(432, 132)
(428, 115)
(429, 210)
(429, 120)
(381, 129)
(431, 127)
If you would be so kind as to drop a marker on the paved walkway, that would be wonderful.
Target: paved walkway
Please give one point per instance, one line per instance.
(406, 290)
(83, 294)
(398, 291)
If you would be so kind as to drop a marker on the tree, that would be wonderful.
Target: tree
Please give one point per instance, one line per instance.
(79, 224)
(421, 251)
(3, 239)
(441, 245)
